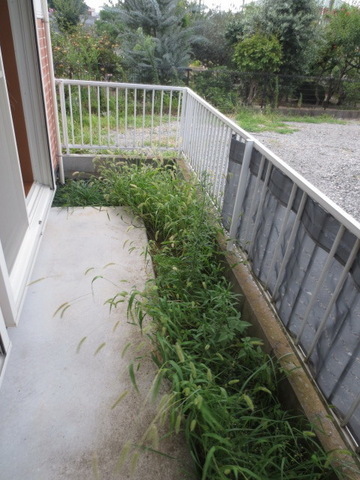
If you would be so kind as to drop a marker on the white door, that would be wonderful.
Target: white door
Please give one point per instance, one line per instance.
(13, 212)
(22, 217)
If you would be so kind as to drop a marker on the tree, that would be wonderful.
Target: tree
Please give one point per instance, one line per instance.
(258, 54)
(67, 13)
(83, 54)
(339, 53)
(246, 24)
(212, 49)
(109, 23)
(155, 36)
(294, 23)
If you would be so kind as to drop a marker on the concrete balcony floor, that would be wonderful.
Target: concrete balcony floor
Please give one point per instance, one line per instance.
(66, 369)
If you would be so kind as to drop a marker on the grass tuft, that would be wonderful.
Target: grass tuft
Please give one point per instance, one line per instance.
(258, 121)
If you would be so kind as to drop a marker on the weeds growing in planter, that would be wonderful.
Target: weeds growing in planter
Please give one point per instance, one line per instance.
(223, 386)
(80, 193)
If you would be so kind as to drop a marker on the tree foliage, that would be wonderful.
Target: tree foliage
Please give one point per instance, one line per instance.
(155, 35)
(339, 54)
(109, 23)
(212, 48)
(245, 25)
(292, 22)
(258, 53)
(83, 54)
(67, 13)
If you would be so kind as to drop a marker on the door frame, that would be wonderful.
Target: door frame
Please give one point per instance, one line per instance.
(23, 25)
(12, 168)
(5, 347)
(38, 202)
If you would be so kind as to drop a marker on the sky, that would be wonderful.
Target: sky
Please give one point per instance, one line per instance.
(223, 4)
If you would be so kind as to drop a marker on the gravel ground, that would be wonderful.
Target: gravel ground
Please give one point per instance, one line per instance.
(328, 155)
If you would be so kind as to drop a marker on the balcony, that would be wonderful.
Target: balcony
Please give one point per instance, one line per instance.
(301, 248)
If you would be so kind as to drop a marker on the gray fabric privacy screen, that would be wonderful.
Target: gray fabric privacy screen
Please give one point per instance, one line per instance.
(291, 271)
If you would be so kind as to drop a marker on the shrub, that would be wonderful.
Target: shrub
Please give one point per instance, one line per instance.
(84, 55)
(217, 87)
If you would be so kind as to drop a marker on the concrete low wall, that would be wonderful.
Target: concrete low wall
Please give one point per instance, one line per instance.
(298, 392)
(84, 166)
(74, 164)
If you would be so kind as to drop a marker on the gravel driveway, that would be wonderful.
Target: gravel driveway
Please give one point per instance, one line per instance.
(328, 155)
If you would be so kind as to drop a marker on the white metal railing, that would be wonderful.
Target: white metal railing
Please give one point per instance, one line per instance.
(98, 116)
(302, 247)
(327, 325)
(206, 135)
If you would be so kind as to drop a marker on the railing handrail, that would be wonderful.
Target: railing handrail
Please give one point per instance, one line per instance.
(100, 83)
(333, 208)
(227, 121)
(343, 217)
(340, 214)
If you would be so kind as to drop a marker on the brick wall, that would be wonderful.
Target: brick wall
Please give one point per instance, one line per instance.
(47, 71)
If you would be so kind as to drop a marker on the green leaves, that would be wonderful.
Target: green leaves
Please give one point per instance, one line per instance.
(132, 376)
(67, 13)
(338, 53)
(155, 35)
(294, 23)
(118, 400)
(258, 53)
(207, 463)
(80, 52)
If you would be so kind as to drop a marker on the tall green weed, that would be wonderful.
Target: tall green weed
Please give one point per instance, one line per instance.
(224, 388)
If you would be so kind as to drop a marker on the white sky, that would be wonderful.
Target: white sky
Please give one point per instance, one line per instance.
(223, 4)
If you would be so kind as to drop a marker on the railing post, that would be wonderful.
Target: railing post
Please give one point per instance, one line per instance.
(259, 209)
(240, 193)
(178, 121)
(350, 412)
(183, 120)
(65, 133)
